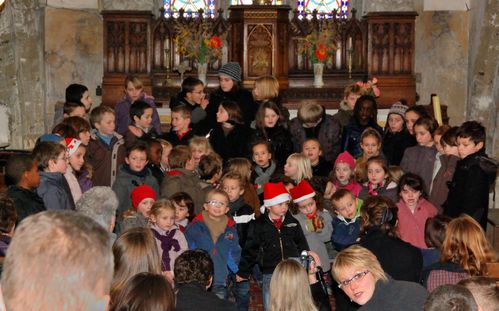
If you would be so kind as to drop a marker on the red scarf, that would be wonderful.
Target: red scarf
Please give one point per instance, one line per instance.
(373, 189)
(277, 223)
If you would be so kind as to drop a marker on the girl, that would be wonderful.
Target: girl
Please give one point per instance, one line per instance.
(76, 153)
(199, 147)
(242, 166)
(184, 209)
(143, 197)
(412, 114)
(170, 240)
(379, 180)
(420, 159)
(298, 167)
(267, 89)
(396, 136)
(165, 152)
(269, 129)
(370, 143)
(342, 176)
(230, 136)
(82, 128)
(192, 95)
(413, 210)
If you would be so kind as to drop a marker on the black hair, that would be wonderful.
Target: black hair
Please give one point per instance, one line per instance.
(17, 165)
(188, 86)
(428, 122)
(419, 110)
(412, 181)
(74, 92)
(137, 109)
(193, 267)
(71, 106)
(473, 130)
(449, 138)
(140, 146)
(8, 214)
(358, 106)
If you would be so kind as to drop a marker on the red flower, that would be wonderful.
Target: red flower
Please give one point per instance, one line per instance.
(321, 52)
(215, 42)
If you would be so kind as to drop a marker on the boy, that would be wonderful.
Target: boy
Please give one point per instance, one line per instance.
(54, 190)
(312, 149)
(210, 171)
(72, 109)
(313, 122)
(181, 177)
(22, 172)
(134, 90)
(274, 236)
(106, 150)
(346, 224)
(345, 113)
(469, 188)
(154, 153)
(8, 218)
(213, 231)
(141, 115)
(181, 133)
(132, 174)
(265, 169)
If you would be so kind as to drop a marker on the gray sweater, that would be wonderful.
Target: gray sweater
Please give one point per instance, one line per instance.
(396, 295)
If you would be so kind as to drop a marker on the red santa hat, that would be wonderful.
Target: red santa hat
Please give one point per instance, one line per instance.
(140, 193)
(275, 193)
(347, 158)
(72, 145)
(302, 191)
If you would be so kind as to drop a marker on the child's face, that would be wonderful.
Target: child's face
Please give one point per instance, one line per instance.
(351, 99)
(155, 152)
(343, 172)
(370, 146)
(233, 188)
(270, 118)
(179, 123)
(145, 119)
(164, 155)
(395, 123)
(451, 150)
(466, 146)
(197, 152)
(165, 219)
(197, 94)
(144, 207)
(346, 206)
(107, 125)
(261, 155)
(278, 210)
(438, 145)
(307, 206)
(76, 160)
(84, 137)
(33, 176)
(410, 118)
(181, 211)
(217, 205)
(410, 196)
(86, 100)
(132, 91)
(423, 136)
(375, 173)
(78, 112)
(226, 83)
(60, 164)
(366, 112)
(222, 114)
(291, 169)
(137, 160)
(312, 150)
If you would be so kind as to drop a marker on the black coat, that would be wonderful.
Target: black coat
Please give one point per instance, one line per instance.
(280, 142)
(396, 295)
(399, 259)
(27, 202)
(193, 297)
(351, 136)
(394, 145)
(234, 145)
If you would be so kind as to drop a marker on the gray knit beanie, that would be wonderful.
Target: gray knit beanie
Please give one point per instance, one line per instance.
(231, 70)
(398, 108)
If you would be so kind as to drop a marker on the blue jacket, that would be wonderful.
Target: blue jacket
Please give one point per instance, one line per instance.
(346, 232)
(225, 253)
(54, 191)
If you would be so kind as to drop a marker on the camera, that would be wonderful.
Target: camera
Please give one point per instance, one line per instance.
(306, 260)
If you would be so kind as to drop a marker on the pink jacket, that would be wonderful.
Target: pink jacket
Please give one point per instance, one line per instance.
(411, 225)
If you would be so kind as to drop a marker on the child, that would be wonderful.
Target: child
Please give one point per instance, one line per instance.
(166, 148)
(180, 132)
(8, 218)
(420, 159)
(134, 91)
(298, 167)
(193, 97)
(469, 188)
(81, 127)
(412, 114)
(313, 122)
(266, 89)
(210, 171)
(213, 231)
(54, 190)
(379, 180)
(370, 143)
(22, 173)
(346, 224)
(350, 96)
(141, 127)
(76, 154)
(269, 128)
(396, 138)
(106, 150)
(75, 93)
(413, 210)
(242, 166)
(313, 150)
(132, 174)
(315, 223)
(154, 153)
(170, 240)
(265, 169)
(74, 109)
(274, 236)
(143, 198)
(184, 209)
(342, 176)
(434, 235)
(365, 115)
(199, 146)
(182, 177)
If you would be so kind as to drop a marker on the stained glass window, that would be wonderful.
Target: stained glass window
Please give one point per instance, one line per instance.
(250, 2)
(306, 7)
(191, 7)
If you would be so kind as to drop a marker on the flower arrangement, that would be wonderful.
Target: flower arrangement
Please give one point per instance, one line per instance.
(369, 87)
(319, 45)
(200, 45)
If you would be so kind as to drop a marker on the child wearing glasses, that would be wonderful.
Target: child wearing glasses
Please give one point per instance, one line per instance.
(215, 232)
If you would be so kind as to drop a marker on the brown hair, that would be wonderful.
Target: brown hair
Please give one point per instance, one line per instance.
(310, 111)
(260, 114)
(97, 114)
(214, 191)
(179, 156)
(434, 230)
(78, 124)
(209, 165)
(352, 89)
(340, 194)
(179, 197)
(235, 176)
(382, 162)
(8, 214)
(193, 267)
(233, 110)
(137, 83)
(161, 205)
(184, 111)
(46, 151)
(379, 211)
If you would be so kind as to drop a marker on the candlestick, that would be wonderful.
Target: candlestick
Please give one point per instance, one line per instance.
(437, 109)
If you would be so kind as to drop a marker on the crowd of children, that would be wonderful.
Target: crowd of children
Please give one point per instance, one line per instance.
(318, 183)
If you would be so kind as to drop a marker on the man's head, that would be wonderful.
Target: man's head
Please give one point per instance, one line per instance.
(58, 260)
(194, 266)
(450, 297)
(99, 203)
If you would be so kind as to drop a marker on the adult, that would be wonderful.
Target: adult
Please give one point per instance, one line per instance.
(451, 297)
(99, 203)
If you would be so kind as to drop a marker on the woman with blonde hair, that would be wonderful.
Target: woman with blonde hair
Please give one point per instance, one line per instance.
(465, 252)
(359, 274)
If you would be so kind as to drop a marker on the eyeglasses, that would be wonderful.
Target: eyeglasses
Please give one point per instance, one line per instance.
(200, 92)
(216, 203)
(354, 278)
(64, 158)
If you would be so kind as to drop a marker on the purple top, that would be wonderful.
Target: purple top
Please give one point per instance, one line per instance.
(122, 111)
(84, 181)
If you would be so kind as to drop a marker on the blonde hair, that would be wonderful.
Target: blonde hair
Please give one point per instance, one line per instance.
(162, 205)
(358, 257)
(352, 89)
(290, 289)
(137, 83)
(303, 165)
(396, 172)
(268, 87)
(465, 244)
(164, 143)
(310, 111)
(199, 141)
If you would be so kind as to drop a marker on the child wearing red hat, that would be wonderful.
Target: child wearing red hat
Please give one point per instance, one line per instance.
(76, 152)
(143, 197)
(342, 176)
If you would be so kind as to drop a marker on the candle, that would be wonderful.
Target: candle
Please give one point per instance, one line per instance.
(349, 46)
(437, 110)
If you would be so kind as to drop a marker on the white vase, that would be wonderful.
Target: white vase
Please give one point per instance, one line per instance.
(318, 72)
(202, 71)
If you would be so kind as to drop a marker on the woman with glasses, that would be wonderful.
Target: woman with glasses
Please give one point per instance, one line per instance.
(192, 95)
(359, 274)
